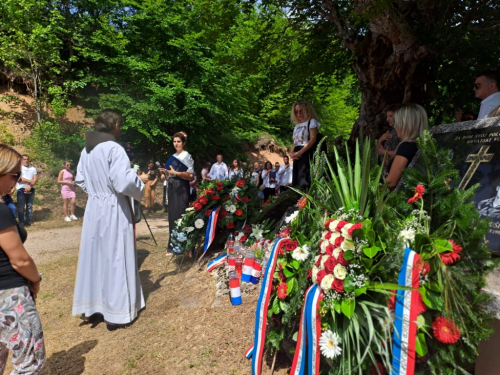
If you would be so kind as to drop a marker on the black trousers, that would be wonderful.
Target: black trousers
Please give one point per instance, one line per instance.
(301, 173)
(178, 201)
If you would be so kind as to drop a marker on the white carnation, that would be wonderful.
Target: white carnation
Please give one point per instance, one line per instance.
(232, 209)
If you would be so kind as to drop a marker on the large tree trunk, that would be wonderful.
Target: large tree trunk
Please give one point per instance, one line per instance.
(389, 63)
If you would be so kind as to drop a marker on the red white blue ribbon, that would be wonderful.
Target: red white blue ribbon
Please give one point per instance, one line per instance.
(307, 352)
(261, 311)
(405, 326)
(210, 233)
(249, 352)
(214, 263)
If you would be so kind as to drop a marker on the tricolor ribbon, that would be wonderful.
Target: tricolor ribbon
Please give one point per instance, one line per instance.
(261, 311)
(210, 233)
(405, 326)
(307, 353)
(249, 352)
(214, 263)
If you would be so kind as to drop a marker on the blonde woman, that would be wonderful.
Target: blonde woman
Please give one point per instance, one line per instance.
(20, 327)
(304, 137)
(410, 123)
(67, 179)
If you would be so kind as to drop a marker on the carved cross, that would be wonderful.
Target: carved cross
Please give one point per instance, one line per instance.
(475, 159)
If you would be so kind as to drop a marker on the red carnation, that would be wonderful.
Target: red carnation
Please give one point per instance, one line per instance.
(216, 197)
(341, 259)
(203, 200)
(268, 201)
(223, 212)
(209, 192)
(338, 241)
(208, 212)
(240, 183)
(445, 330)
(318, 263)
(243, 238)
(329, 249)
(219, 188)
(248, 229)
(238, 212)
(330, 264)
(328, 235)
(230, 225)
(354, 227)
(197, 206)
(282, 289)
(341, 225)
(420, 307)
(245, 199)
(419, 193)
(320, 276)
(338, 285)
(219, 184)
(302, 202)
(309, 273)
(450, 257)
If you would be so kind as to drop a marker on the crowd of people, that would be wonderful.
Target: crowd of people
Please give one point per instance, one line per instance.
(107, 283)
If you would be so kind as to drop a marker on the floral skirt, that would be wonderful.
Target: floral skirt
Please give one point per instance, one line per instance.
(20, 332)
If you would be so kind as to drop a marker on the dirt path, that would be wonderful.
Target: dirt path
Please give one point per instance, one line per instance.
(46, 244)
(181, 330)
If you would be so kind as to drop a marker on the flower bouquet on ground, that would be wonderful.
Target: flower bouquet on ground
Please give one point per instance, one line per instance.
(225, 205)
(380, 283)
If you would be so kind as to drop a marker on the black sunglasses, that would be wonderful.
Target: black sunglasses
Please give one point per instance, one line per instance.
(477, 86)
(298, 112)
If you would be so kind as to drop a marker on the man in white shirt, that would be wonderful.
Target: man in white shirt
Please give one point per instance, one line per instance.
(219, 170)
(486, 87)
(26, 191)
(285, 174)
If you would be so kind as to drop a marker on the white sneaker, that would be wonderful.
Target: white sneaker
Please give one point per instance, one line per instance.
(67, 218)
(73, 217)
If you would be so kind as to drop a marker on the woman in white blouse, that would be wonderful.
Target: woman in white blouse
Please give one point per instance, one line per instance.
(304, 137)
(178, 184)
(235, 171)
(269, 178)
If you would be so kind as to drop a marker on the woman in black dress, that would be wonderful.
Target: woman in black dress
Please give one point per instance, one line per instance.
(304, 138)
(178, 184)
(410, 123)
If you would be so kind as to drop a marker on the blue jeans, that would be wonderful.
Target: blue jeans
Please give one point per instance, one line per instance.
(25, 201)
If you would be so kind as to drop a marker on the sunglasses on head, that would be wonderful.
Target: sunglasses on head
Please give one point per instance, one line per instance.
(18, 175)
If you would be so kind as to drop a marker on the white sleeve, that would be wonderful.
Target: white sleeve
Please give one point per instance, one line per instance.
(189, 163)
(281, 170)
(123, 178)
(80, 176)
(314, 123)
(225, 171)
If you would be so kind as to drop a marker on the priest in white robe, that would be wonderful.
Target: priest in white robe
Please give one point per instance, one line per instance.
(107, 279)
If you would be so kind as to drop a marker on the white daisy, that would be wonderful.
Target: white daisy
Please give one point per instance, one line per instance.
(301, 253)
(329, 344)
(232, 208)
(199, 223)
